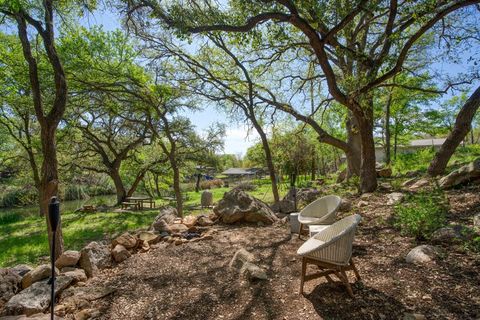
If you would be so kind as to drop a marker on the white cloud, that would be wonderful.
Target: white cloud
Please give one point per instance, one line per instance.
(239, 139)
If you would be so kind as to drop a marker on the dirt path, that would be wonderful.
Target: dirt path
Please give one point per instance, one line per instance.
(192, 281)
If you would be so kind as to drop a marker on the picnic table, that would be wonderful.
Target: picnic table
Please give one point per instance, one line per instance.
(141, 201)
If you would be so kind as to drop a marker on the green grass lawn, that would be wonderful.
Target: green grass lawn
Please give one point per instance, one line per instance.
(23, 238)
(25, 241)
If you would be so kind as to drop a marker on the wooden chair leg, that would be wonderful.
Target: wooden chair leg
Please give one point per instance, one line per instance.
(347, 284)
(304, 271)
(355, 270)
(300, 230)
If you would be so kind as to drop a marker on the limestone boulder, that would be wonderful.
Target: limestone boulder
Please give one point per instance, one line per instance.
(190, 221)
(120, 253)
(89, 293)
(207, 199)
(93, 257)
(422, 254)
(467, 173)
(10, 284)
(384, 172)
(77, 275)
(345, 205)
(126, 240)
(409, 182)
(476, 221)
(420, 184)
(243, 263)
(68, 258)
(303, 197)
(395, 198)
(204, 221)
(39, 273)
(21, 269)
(167, 216)
(36, 298)
(450, 234)
(149, 237)
(237, 206)
(178, 228)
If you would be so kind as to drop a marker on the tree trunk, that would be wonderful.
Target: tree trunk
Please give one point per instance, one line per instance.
(368, 173)
(119, 187)
(387, 130)
(135, 183)
(270, 166)
(463, 124)
(395, 142)
(313, 168)
(176, 188)
(197, 182)
(49, 184)
(354, 141)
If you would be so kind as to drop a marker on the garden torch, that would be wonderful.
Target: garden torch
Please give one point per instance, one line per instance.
(54, 218)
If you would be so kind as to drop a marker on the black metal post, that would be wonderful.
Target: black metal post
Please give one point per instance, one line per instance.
(54, 217)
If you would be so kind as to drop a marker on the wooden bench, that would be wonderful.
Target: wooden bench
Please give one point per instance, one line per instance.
(133, 205)
(150, 202)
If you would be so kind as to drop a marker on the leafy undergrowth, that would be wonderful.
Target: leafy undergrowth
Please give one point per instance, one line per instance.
(421, 214)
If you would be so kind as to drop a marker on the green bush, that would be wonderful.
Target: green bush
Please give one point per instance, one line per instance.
(421, 214)
(15, 196)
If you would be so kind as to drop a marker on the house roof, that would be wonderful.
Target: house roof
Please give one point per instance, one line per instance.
(427, 142)
(237, 171)
(421, 143)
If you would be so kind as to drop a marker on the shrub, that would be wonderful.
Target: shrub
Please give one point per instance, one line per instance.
(421, 214)
(18, 197)
(210, 184)
(305, 184)
(246, 186)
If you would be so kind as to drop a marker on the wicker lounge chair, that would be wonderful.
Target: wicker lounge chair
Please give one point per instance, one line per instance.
(320, 211)
(331, 251)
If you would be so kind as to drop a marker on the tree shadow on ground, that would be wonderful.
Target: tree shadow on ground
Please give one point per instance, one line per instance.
(331, 301)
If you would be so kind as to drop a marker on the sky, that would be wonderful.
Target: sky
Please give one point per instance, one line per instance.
(237, 138)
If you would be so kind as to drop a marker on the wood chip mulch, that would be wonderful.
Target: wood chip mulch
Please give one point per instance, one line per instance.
(193, 281)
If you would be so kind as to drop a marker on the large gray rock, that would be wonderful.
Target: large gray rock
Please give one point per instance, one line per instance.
(35, 298)
(10, 284)
(93, 257)
(422, 254)
(207, 199)
(303, 197)
(68, 258)
(238, 205)
(167, 216)
(462, 175)
(39, 273)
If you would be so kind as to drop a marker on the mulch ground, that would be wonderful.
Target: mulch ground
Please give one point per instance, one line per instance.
(193, 281)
